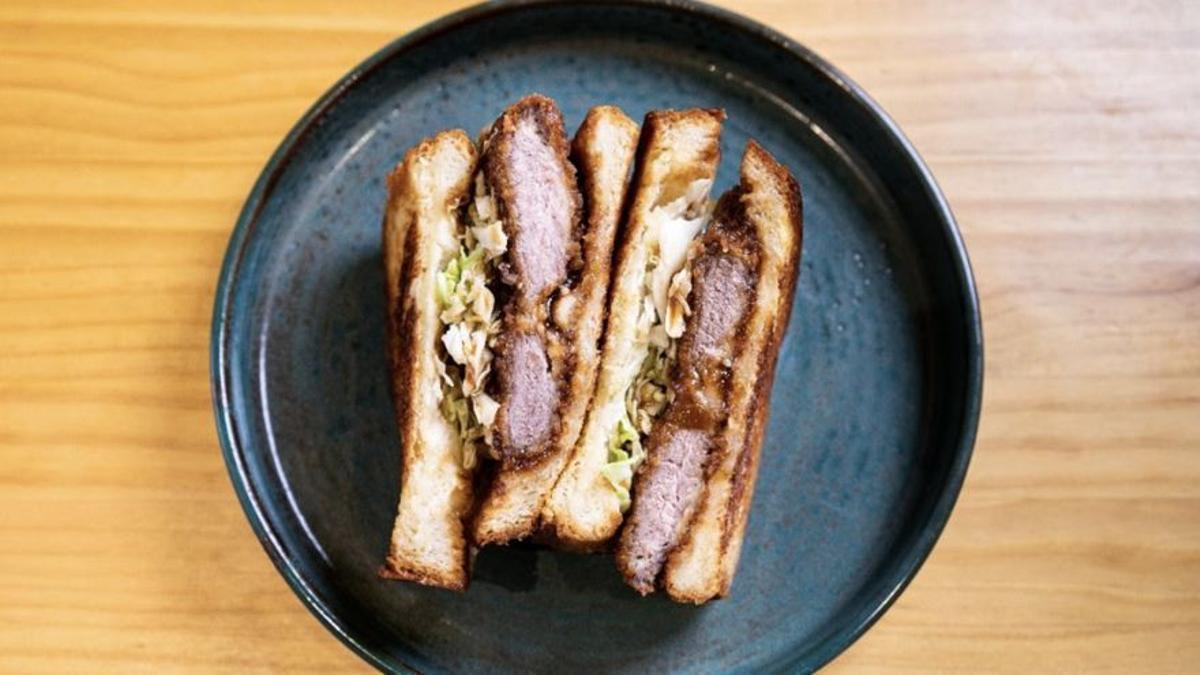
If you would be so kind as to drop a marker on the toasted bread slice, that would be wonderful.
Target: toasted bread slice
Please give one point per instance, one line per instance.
(769, 210)
(603, 150)
(677, 151)
(428, 543)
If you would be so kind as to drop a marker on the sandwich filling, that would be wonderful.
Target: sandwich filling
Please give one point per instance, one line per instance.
(536, 197)
(467, 310)
(669, 231)
(670, 487)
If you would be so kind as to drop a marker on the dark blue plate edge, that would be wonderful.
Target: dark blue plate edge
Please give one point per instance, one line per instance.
(231, 447)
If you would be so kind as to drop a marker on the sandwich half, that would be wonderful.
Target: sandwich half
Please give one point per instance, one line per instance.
(692, 496)
(555, 278)
(497, 272)
(423, 233)
(677, 161)
(544, 384)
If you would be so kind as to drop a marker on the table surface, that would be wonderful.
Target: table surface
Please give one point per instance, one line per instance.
(1065, 135)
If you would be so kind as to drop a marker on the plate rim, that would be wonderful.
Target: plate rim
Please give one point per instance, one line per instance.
(913, 559)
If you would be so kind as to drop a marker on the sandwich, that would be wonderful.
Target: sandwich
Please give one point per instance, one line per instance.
(557, 283)
(676, 165)
(497, 273)
(579, 357)
(691, 496)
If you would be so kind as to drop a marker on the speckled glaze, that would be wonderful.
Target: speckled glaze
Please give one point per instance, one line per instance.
(875, 403)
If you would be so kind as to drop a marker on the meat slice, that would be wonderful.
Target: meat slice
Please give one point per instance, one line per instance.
(667, 496)
(526, 168)
(527, 419)
(724, 287)
(541, 211)
(532, 182)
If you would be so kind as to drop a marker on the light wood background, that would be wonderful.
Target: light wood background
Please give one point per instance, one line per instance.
(1066, 135)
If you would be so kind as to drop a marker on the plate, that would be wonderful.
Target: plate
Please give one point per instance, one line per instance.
(875, 404)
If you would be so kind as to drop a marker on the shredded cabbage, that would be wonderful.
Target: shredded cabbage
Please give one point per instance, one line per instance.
(667, 281)
(625, 455)
(650, 393)
(467, 310)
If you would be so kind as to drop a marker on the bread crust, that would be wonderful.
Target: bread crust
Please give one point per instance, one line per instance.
(428, 543)
(703, 564)
(676, 148)
(602, 151)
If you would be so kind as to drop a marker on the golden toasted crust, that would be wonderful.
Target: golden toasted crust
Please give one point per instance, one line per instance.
(603, 151)
(703, 564)
(428, 543)
(676, 148)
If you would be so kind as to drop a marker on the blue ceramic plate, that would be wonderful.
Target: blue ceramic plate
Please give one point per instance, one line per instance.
(875, 403)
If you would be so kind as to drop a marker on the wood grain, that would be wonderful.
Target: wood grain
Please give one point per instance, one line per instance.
(1065, 135)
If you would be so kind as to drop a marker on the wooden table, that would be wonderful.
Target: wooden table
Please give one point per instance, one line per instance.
(1066, 135)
